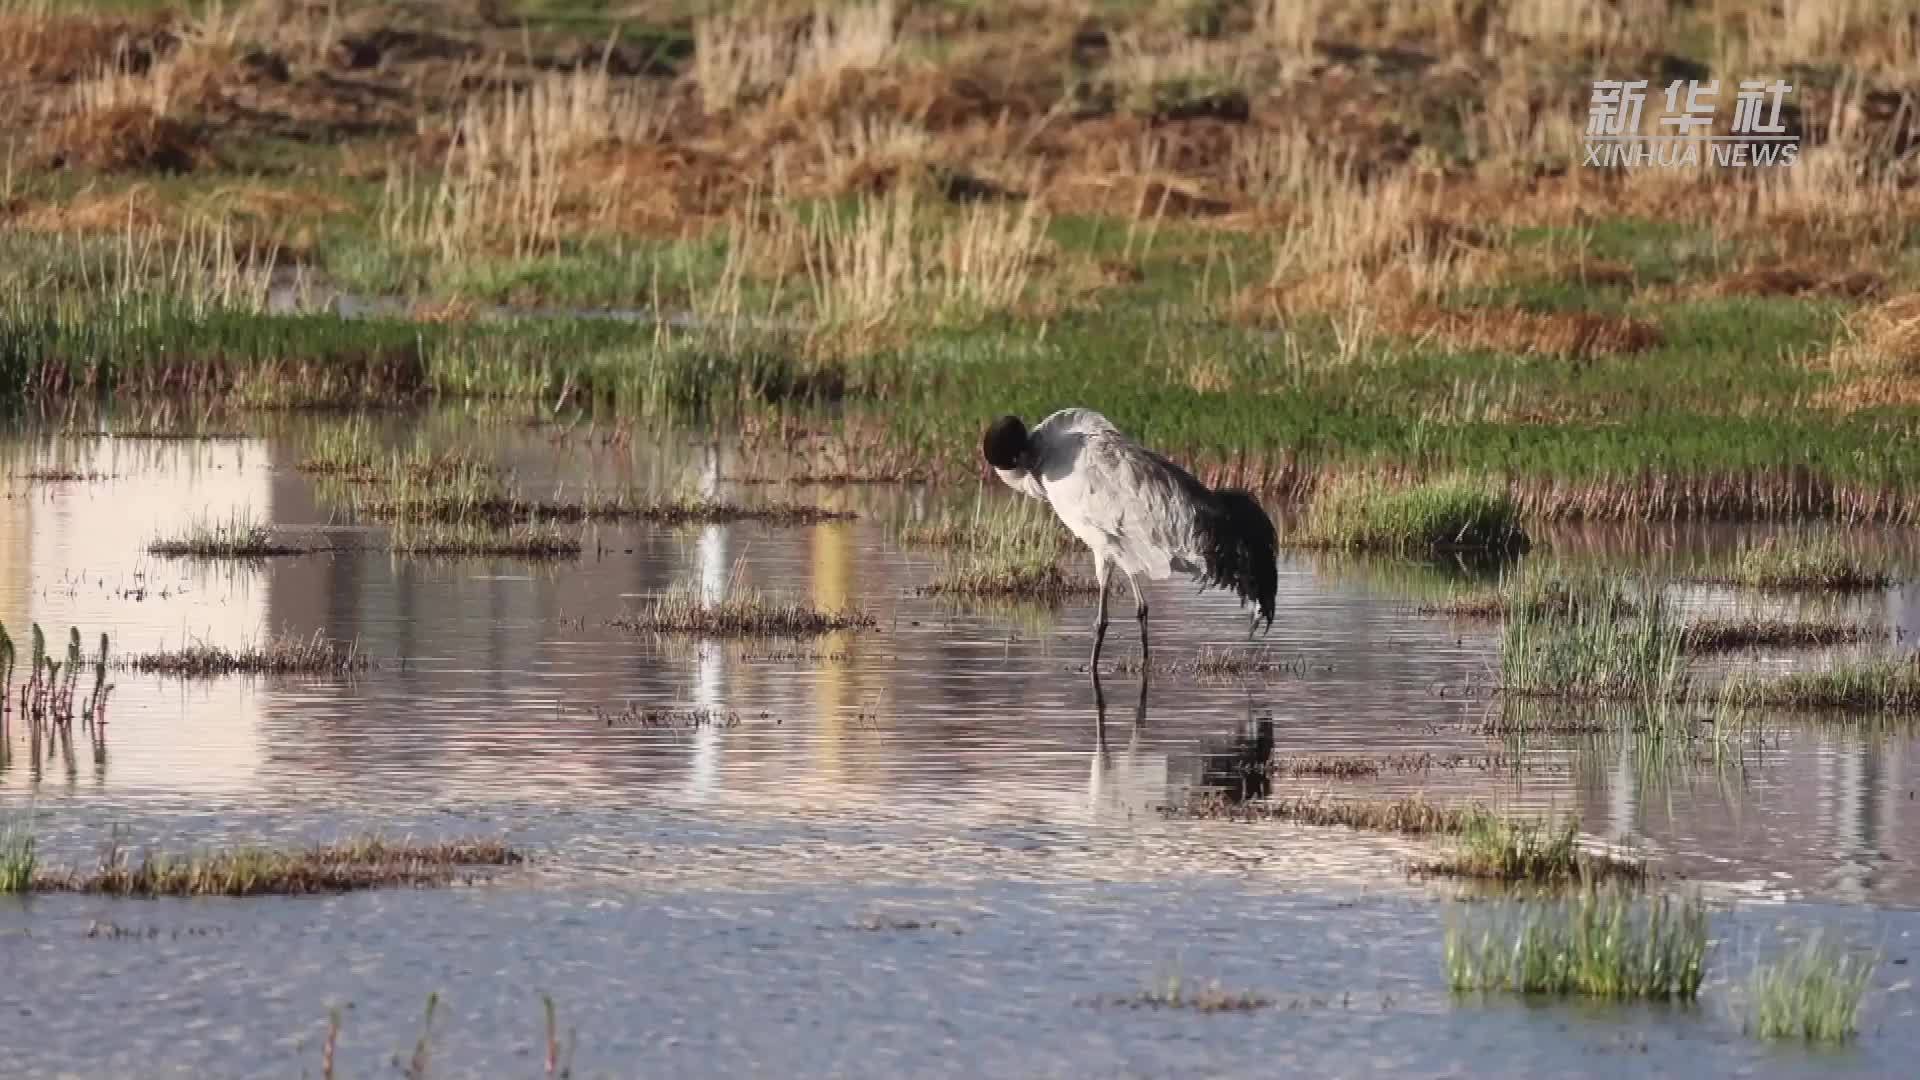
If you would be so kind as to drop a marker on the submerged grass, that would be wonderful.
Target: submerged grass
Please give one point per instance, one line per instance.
(1175, 991)
(278, 655)
(363, 863)
(1811, 992)
(739, 612)
(1601, 942)
(236, 538)
(1448, 515)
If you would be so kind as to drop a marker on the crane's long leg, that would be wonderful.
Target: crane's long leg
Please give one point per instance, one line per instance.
(1101, 576)
(1140, 612)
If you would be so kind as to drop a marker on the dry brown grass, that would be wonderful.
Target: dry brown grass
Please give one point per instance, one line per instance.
(742, 58)
(512, 164)
(1878, 364)
(885, 261)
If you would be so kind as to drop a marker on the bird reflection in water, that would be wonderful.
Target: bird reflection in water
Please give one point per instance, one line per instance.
(1104, 783)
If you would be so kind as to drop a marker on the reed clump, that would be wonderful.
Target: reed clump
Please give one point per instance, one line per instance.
(362, 863)
(1440, 516)
(280, 654)
(1601, 942)
(1812, 992)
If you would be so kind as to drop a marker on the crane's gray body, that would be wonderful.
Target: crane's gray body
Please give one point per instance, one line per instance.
(1132, 508)
(1138, 511)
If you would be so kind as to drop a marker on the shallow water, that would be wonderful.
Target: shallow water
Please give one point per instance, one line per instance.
(742, 896)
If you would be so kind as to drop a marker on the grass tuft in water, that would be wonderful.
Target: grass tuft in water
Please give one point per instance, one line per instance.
(1447, 515)
(235, 538)
(1594, 651)
(528, 541)
(469, 494)
(1413, 816)
(1726, 635)
(59, 474)
(17, 860)
(1014, 552)
(1212, 662)
(1600, 942)
(740, 612)
(1497, 848)
(279, 655)
(1539, 593)
(362, 863)
(1781, 562)
(1812, 992)
(1876, 685)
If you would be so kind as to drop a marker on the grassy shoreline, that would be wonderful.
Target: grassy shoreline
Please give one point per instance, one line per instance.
(1029, 208)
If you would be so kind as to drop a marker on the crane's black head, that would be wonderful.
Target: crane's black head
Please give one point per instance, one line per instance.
(1005, 444)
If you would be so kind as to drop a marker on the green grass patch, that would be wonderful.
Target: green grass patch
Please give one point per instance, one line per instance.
(739, 612)
(1451, 515)
(1015, 551)
(1875, 685)
(1726, 635)
(1811, 992)
(1538, 591)
(1593, 650)
(1601, 942)
(1497, 848)
(1779, 562)
(17, 859)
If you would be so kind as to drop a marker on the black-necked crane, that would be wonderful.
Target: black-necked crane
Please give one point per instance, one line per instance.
(1137, 511)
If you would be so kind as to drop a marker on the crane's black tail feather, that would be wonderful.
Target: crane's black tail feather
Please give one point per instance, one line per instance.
(1241, 550)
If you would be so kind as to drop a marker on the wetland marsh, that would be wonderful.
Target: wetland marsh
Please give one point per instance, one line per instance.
(498, 576)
